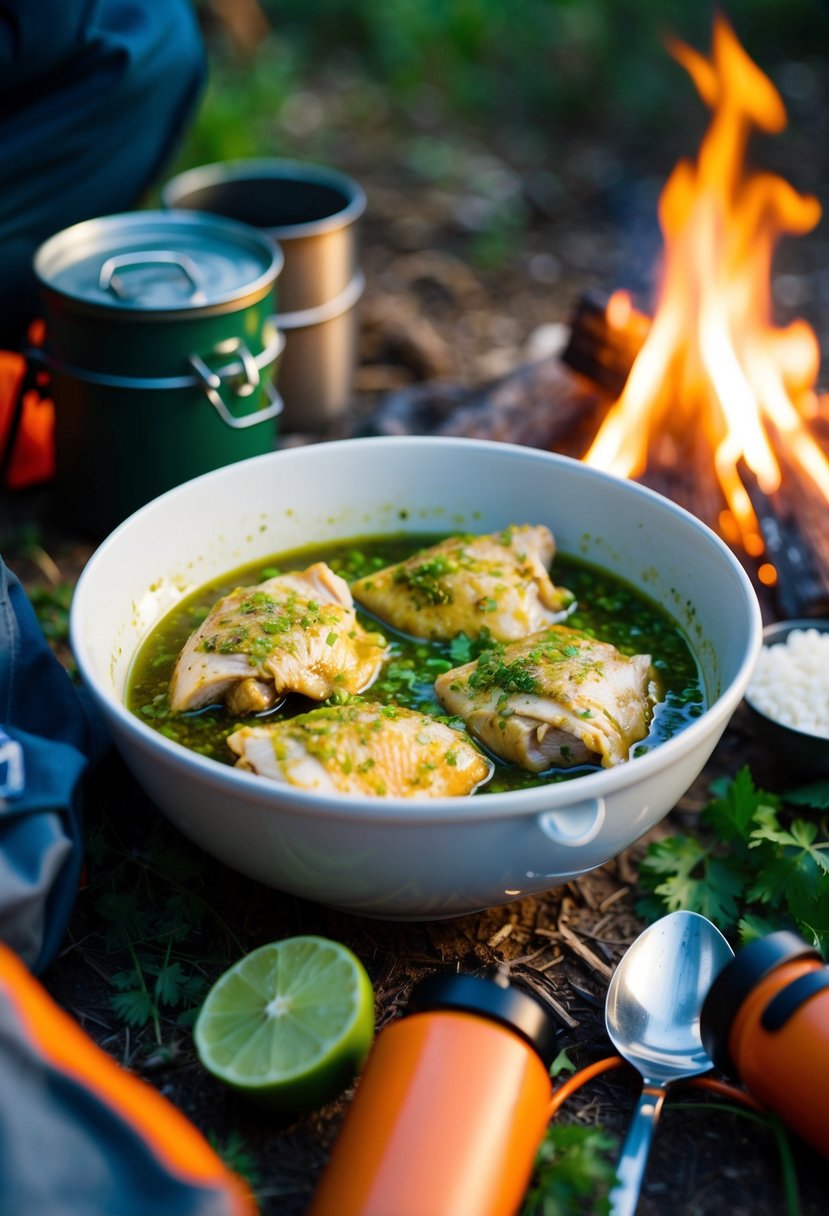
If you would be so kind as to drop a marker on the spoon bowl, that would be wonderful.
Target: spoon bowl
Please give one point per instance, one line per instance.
(652, 1015)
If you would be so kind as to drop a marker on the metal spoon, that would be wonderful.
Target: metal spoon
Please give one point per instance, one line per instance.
(652, 1016)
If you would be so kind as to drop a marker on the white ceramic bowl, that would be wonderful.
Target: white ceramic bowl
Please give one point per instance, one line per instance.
(392, 857)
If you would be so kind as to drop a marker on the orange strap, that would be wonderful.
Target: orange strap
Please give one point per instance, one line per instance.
(177, 1144)
(569, 1087)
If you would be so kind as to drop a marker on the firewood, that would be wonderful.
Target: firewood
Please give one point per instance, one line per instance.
(542, 404)
(792, 522)
(603, 352)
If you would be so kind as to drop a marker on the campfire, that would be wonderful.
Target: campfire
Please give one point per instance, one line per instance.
(711, 403)
(719, 404)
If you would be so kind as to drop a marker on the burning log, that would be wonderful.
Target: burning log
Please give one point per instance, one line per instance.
(606, 335)
(542, 405)
(792, 523)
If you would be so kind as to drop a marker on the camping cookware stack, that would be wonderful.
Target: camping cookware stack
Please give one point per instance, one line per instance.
(312, 212)
(161, 348)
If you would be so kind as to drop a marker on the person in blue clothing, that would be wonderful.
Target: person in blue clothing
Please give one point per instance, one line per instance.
(94, 95)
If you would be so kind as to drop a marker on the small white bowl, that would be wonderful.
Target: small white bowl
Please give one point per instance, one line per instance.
(801, 752)
(392, 857)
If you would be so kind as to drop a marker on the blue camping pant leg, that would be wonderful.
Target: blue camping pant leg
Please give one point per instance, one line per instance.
(49, 735)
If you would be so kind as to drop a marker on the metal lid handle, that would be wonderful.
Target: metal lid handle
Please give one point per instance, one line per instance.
(108, 279)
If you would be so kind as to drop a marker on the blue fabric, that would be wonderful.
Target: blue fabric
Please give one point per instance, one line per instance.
(93, 96)
(49, 741)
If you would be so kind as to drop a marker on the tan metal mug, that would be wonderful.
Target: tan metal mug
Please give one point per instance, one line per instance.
(311, 211)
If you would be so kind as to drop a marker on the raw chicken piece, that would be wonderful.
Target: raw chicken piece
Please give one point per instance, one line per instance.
(297, 632)
(557, 698)
(365, 749)
(467, 584)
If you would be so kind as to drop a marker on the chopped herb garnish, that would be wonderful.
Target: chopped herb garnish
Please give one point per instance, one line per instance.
(512, 677)
(424, 580)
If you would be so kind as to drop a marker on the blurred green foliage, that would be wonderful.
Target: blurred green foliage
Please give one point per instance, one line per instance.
(597, 64)
(535, 57)
(470, 94)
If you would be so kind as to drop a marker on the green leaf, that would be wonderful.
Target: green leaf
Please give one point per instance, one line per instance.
(815, 795)
(800, 835)
(695, 880)
(562, 1063)
(810, 909)
(182, 912)
(753, 867)
(126, 920)
(188, 1017)
(134, 1007)
(751, 927)
(768, 886)
(673, 854)
(173, 863)
(796, 869)
(168, 985)
(730, 815)
(574, 1172)
(237, 1157)
(460, 650)
(124, 981)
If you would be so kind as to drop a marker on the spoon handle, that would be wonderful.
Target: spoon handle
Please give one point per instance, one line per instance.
(634, 1155)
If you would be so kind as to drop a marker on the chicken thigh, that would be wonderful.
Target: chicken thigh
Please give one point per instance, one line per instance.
(467, 584)
(297, 632)
(556, 698)
(365, 749)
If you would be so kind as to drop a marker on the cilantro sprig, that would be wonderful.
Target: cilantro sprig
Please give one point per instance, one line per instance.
(753, 867)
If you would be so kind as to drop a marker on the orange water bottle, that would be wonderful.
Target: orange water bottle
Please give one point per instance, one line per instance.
(450, 1109)
(766, 1021)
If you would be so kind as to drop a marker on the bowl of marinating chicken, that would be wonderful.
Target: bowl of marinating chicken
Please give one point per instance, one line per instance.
(414, 677)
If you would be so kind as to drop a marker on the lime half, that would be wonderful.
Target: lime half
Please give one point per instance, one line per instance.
(291, 1023)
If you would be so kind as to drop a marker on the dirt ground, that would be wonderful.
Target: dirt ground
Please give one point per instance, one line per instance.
(431, 312)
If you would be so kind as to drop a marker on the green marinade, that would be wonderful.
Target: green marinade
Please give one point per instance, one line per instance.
(607, 608)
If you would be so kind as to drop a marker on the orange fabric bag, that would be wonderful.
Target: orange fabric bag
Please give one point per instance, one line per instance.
(27, 427)
(115, 1143)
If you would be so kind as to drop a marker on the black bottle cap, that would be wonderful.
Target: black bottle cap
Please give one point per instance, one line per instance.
(735, 982)
(495, 998)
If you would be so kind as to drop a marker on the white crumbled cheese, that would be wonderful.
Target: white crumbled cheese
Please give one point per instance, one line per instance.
(791, 682)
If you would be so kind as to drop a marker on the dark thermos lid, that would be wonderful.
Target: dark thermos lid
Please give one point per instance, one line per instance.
(493, 998)
(735, 982)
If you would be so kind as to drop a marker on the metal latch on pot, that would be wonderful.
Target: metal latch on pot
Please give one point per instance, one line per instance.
(242, 378)
(109, 279)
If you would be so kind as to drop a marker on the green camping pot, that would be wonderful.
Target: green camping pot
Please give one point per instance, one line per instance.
(160, 349)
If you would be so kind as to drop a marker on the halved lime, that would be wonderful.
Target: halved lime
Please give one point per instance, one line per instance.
(290, 1023)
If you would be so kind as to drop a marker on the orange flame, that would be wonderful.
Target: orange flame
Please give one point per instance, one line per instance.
(713, 361)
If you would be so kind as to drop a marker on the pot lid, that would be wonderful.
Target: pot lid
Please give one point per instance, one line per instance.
(150, 262)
